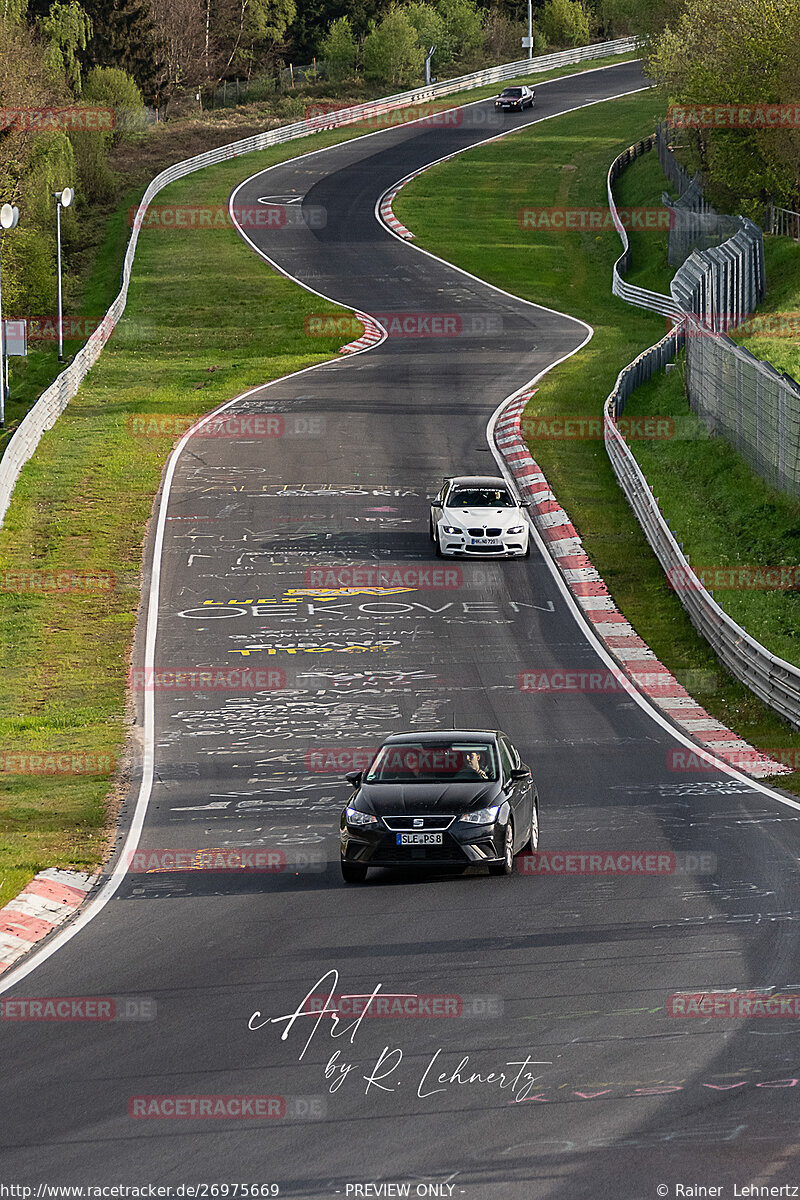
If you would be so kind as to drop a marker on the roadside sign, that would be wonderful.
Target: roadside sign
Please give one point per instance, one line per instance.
(16, 337)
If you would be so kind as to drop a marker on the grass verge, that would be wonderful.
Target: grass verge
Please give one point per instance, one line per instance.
(564, 162)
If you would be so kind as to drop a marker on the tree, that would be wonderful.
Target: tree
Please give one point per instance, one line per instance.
(124, 36)
(737, 52)
(392, 53)
(179, 31)
(463, 28)
(564, 23)
(67, 28)
(430, 30)
(248, 32)
(112, 87)
(339, 50)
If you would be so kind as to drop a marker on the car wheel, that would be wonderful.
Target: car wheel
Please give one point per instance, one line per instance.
(533, 840)
(353, 872)
(437, 543)
(505, 867)
(527, 553)
(432, 530)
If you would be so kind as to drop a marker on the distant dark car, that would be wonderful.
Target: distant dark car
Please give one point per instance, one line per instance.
(515, 98)
(454, 798)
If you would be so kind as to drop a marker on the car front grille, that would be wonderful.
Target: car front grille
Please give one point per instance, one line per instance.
(493, 532)
(406, 824)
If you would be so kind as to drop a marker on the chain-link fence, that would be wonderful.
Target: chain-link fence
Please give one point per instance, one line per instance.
(782, 221)
(755, 407)
(694, 224)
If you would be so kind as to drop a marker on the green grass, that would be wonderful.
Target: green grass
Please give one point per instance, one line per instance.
(782, 261)
(564, 161)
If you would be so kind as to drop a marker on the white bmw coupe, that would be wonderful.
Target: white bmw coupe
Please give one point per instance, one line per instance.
(479, 515)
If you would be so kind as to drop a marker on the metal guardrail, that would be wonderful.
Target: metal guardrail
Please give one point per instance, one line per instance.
(784, 222)
(47, 409)
(641, 297)
(772, 679)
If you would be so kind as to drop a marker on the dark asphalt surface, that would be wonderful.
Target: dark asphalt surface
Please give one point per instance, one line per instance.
(573, 972)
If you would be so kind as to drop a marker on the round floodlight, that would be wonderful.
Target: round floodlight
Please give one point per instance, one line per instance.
(8, 216)
(65, 197)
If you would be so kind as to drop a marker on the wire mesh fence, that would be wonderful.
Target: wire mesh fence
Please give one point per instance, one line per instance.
(782, 221)
(694, 223)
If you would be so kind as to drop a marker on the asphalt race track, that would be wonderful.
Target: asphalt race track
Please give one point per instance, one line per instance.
(567, 977)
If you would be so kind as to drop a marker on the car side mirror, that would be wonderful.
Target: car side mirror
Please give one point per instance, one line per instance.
(354, 777)
(519, 773)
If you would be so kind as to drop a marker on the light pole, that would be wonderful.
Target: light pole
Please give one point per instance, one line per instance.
(63, 200)
(530, 28)
(8, 219)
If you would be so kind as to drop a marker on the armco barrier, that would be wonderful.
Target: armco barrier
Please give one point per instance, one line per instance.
(773, 680)
(641, 297)
(45, 412)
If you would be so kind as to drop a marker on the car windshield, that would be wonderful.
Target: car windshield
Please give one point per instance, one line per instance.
(444, 762)
(483, 497)
(516, 92)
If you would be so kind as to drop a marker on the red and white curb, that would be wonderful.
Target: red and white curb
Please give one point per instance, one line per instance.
(636, 659)
(387, 199)
(48, 901)
(373, 333)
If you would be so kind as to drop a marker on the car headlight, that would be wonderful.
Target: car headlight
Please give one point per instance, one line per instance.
(450, 529)
(482, 816)
(354, 816)
(516, 529)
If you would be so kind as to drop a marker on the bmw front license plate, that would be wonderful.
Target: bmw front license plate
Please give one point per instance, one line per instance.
(484, 541)
(419, 839)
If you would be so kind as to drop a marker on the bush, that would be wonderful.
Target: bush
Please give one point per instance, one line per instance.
(339, 50)
(463, 28)
(392, 53)
(110, 87)
(564, 23)
(95, 180)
